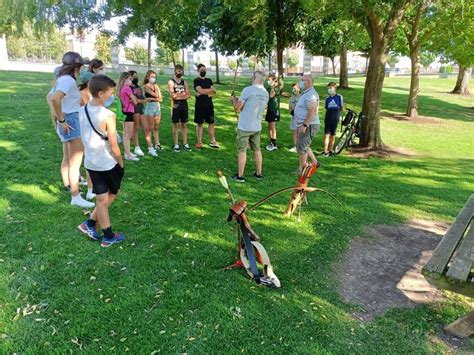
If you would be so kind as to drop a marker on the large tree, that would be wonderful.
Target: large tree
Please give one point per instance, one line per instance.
(255, 27)
(454, 39)
(173, 23)
(418, 23)
(103, 46)
(334, 35)
(381, 19)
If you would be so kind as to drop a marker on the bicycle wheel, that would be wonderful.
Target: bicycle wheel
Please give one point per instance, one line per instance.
(341, 141)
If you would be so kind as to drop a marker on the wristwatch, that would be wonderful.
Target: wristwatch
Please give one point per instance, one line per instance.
(305, 125)
(62, 121)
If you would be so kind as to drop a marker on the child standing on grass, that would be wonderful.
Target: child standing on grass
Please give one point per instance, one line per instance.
(295, 95)
(103, 159)
(334, 105)
(128, 101)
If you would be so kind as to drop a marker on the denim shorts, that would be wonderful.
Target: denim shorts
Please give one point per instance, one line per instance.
(153, 109)
(72, 119)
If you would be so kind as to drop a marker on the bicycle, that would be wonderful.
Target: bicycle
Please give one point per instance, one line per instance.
(352, 130)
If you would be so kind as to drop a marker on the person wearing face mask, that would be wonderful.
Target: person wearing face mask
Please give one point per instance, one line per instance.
(96, 67)
(306, 120)
(273, 110)
(128, 101)
(179, 93)
(295, 95)
(152, 110)
(334, 104)
(103, 159)
(66, 103)
(251, 103)
(138, 116)
(204, 107)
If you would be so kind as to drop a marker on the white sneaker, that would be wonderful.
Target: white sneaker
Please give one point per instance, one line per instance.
(152, 152)
(90, 195)
(131, 157)
(293, 149)
(138, 151)
(79, 201)
(271, 147)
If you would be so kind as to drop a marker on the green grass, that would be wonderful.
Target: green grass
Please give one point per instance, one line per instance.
(163, 289)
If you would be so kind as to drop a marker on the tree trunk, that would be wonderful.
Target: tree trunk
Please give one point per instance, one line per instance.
(412, 108)
(270, 62)
(343, 75)
(279, 53)
(370, 137)
(149, 50)
(217, 67)
(174, 60)
(182, 57)
(462, 83)
(333, 66)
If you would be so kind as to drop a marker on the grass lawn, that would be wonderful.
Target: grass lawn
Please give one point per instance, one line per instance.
(163, 289)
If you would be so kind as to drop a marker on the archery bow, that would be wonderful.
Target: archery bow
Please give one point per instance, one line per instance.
(233, 87)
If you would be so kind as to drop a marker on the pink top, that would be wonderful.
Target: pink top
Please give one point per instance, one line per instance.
(127, 104)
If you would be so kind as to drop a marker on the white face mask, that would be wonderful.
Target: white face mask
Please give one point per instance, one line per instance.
(152, 80)
(331, 91)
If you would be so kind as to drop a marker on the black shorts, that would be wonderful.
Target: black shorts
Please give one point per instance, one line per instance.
(139, 109)
(179, 114)
(272, 116)
(128, 116)
(203, 114)
(330, 124)
(106, 181)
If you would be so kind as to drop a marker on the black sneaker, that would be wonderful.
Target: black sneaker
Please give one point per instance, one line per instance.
(258, 177)
(176, 148)
(238, 178)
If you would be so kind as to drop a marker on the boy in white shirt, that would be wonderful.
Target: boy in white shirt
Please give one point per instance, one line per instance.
(103, 159)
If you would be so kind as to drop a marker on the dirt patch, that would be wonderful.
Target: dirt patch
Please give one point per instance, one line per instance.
(418, 119)
(384, 152)
(384, 271)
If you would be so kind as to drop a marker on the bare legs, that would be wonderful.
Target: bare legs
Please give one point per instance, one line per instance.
(242, 160)
(127, 135)
(136, 125)
(329, 142)
(156, 128)
(75, 152)
(210, 130)
(304, 157)
(184, 133)
(272, 132)
(65, 165)
(101, 211)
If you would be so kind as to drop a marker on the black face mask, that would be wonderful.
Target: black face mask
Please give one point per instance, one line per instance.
(135, 81)
(202, 73)
(178, 75)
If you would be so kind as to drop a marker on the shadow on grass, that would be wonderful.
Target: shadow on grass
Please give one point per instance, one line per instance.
(163, 291)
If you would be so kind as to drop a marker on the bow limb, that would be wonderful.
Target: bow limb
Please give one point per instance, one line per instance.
(300, 188)
(233, 87)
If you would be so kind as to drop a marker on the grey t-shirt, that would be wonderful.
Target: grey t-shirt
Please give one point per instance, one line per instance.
(301, 108)
(255, 100)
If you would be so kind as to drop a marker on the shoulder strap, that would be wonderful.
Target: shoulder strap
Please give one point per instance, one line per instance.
(105, 138)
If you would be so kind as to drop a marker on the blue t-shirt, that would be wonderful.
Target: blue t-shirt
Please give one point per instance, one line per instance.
(333, 106)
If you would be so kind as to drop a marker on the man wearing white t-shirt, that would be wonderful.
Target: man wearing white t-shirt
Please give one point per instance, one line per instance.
(251, 103)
